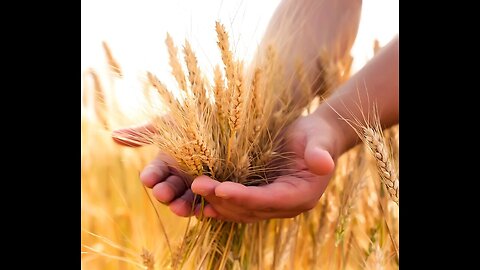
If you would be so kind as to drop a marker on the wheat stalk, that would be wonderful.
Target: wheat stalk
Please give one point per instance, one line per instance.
(177, 70)
(236, 110)
(355, 184)
(370, 132)
(376, 143)
(194, 76)
(219, 92)
(112, 62)
(166, 95)
(227, 57)
(99, 100)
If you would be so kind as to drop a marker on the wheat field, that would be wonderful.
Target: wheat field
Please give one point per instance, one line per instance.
(236, 122)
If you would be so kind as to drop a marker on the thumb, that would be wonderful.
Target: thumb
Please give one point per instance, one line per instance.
(317, 158)
(135, 136)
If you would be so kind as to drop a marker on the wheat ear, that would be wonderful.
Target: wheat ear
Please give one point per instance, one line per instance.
(148, 259)
(166, 95)
(112, 62)
(376, 143)
(177, 70)
(99, 101)
(194, 76)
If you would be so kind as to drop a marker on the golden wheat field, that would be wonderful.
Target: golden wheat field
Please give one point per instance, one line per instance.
(226, 122)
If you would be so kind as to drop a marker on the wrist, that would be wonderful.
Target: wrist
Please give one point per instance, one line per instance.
(337, 131)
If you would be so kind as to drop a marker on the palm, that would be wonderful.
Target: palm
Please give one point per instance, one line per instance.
(291, 193)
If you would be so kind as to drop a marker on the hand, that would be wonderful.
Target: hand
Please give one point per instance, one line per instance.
(169, 186)
(310, 138)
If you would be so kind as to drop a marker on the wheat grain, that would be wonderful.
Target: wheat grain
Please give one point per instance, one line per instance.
(219, 89)
(194, 77)
(177, 70)
(376, 143)
(161, 89)
(236, 110)
(224, 46)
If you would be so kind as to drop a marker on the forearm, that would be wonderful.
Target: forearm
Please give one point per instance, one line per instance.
(300, 29)
(375, 84)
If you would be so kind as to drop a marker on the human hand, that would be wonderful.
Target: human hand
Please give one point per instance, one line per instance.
(310, 138)
(169, 185)
(313, 141)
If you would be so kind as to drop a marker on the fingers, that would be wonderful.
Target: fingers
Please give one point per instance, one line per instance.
(204, 186)
(209, 211)
(171, 188)
(318, 160)
(183, 206)
(158, 170)
(260, 198)
(217, 207)
(166, 182)
(134, 137)
(287, 197)
(286, 193)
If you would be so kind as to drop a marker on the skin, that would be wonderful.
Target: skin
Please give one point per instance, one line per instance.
(316, 140)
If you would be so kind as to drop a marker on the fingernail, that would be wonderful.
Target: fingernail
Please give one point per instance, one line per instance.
(148, 171)
(154, 168)
(221, 194)
(200, 192)
(143, 173)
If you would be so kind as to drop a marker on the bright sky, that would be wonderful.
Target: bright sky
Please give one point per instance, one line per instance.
(136, 30)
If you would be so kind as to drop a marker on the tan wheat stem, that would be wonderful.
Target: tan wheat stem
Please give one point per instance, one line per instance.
(112, 62)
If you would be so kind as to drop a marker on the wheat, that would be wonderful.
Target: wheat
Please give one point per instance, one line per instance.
(99, 100)
(148, 259)
(227, 57)
(162, 89)
(355, 184)
(177, 70)
(219, 92)
(112, 62)
(236, 142)
(376, 143)
(236, 111)
(194, 76)
(370, 132)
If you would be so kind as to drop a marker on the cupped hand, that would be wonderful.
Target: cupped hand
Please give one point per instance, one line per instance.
(310, 139)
